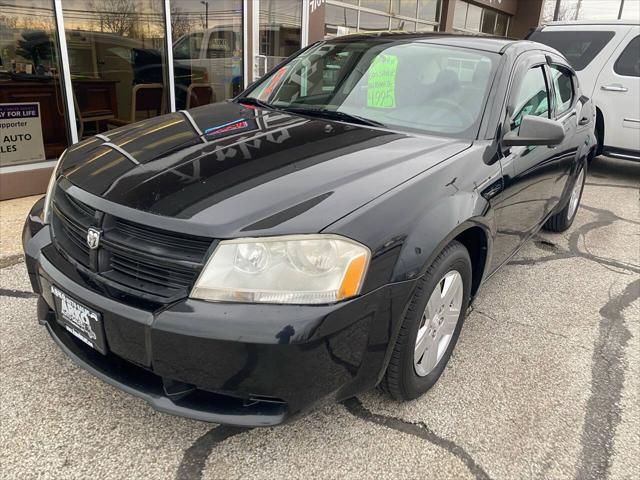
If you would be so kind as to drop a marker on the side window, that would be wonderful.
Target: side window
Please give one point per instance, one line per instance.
(188, 47)
(628, 63)
(563, 88)
(532, 97)
(220, 44)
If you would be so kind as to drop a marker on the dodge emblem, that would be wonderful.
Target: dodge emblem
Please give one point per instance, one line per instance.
(93, 237)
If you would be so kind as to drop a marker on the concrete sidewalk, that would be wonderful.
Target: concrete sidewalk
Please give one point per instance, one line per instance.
(12, 216)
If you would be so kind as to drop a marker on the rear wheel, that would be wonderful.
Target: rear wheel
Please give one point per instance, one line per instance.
(562, 220)
(432, 324)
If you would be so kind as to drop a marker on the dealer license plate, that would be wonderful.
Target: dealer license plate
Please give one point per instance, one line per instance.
(79, 320)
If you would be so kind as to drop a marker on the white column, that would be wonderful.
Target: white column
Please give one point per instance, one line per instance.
(245, 44)
(255, 25)
(305, 24)
(65, 71)
(169, 56)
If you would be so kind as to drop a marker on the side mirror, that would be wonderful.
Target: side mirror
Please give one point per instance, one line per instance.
(535, 131)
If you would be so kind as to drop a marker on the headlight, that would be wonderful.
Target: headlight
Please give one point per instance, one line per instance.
(299, 269)
(50, 188)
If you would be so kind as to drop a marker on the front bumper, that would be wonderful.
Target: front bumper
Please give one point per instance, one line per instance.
(238, 364)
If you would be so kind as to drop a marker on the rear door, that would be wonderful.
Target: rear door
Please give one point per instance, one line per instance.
(531, 172)
(618, 96)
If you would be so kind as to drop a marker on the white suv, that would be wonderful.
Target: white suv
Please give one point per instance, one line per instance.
(606, 57)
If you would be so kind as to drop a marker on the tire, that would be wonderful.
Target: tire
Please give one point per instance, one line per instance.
(402, 379)
(562, 220)
(599, 138)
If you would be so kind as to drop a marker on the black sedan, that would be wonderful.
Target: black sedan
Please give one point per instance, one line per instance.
(322, 234)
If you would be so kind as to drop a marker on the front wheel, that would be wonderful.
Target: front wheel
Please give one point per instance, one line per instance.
(562, 220)
(431, 326)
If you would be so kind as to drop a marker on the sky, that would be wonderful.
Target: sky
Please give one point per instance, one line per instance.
(595, 9)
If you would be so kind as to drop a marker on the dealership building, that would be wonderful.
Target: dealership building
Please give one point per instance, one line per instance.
(72, 68)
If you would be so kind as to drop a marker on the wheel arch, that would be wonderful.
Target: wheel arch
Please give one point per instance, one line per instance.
(472, 225)
(475, 240)
(599, 131)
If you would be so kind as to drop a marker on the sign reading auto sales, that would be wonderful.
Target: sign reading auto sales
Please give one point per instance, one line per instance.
(20, 133)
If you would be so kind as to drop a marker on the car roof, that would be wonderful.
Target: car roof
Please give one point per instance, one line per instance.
(477, 42)
(578, 23)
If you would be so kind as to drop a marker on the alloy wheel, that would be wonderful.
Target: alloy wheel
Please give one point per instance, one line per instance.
(438, 322)
(575, 195)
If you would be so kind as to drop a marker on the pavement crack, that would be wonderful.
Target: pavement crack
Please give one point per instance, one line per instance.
(480, 312)
(603, 410)
(611, 185)
(195, 457)
(609, 213)
(420, 430)
(604, 218)
(11, 260)
(537, 327)
(5, 292)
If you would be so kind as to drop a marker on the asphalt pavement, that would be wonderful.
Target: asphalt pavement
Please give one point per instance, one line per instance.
(544, 383)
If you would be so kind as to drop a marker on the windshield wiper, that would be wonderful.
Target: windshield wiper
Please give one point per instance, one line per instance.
(254, 101)
(334, 115)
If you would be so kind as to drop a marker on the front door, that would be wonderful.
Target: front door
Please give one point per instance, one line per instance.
(530, 173)
(567, 110)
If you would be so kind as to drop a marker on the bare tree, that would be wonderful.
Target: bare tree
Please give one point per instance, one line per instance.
(115, 16)
(180, 23)
(566, 11)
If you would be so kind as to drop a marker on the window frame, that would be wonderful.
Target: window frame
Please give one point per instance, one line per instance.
(626, 48)
(574, 88)
(521, 69)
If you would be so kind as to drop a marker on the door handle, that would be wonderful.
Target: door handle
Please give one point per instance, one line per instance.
(614, 88)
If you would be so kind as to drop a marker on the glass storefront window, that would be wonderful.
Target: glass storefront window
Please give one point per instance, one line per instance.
(280, 31)
(373, 22)
(428, 10)
(425, 27)
(473, 18)
(399, 24)
(381, 5)
(117, 61)
(340, 21)
(489, 21)
(501, 24)
(404, 16)
(406, 8)
(474, 14)
(30, 74)
(207, 51)
(460, 15)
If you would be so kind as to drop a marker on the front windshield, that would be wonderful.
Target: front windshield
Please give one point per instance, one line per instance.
(414, 87)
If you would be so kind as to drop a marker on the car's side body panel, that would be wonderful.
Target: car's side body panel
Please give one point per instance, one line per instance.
(425, 212)
(618, 98)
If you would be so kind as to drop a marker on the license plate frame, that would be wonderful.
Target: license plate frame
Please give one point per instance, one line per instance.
(83, 322)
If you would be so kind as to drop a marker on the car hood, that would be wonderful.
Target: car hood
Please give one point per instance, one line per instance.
(234, 170)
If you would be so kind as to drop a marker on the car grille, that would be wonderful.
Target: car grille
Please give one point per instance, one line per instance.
(156, 264)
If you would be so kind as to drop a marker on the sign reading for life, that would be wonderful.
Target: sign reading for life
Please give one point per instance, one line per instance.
(381, 91)
(20, 133)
